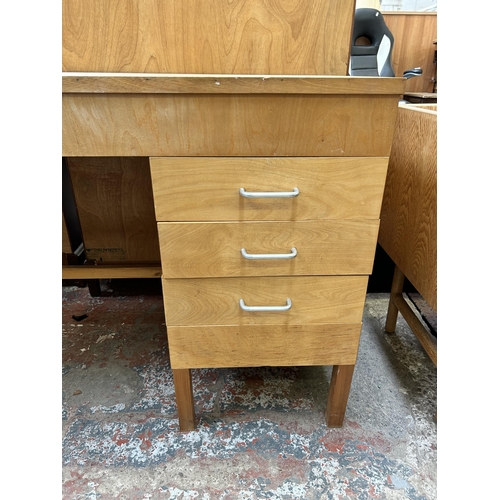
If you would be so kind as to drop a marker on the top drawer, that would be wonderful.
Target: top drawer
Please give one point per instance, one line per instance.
(208, 188)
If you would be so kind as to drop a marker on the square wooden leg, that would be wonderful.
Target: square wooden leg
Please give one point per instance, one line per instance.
(184, 397)
(338, 395)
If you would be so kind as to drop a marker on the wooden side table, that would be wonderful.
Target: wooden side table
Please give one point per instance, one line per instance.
(408, 227)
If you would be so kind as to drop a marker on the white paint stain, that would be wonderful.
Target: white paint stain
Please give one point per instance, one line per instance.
(102, 338)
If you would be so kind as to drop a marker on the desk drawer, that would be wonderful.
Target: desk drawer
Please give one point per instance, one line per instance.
(205, 189)
(214, 249)
(216, 301)
(267, 345)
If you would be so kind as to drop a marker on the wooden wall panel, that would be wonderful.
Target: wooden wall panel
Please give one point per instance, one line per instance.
(408, 221)
(216, 36)
(114, 199)
(414, 34)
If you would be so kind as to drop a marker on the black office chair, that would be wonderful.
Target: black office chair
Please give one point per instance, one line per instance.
(374, 59)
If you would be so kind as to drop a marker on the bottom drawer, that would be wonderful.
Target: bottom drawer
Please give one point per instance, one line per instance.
(263, 345)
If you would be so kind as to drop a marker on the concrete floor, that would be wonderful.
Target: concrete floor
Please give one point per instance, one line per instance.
(260, 432)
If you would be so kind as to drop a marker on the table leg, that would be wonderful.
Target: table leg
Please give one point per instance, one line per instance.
(184, 396)
(338, 395)
(396, 289)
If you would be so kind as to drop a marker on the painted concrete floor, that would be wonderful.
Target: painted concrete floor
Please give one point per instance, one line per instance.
(260, 432)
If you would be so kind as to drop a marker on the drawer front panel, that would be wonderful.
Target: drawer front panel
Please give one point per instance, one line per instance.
(177, 124)
(216, 301)
(266, 345)
(208, 189)
(197, 250)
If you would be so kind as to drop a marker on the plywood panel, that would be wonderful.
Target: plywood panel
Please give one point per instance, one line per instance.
(414, 34)
(109, 271)
(216, 36)
(114, 200)
(408, 226)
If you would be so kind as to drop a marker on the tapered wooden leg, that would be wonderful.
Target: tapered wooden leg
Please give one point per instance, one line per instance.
(338, 395)
(396, 290)
(184, 396)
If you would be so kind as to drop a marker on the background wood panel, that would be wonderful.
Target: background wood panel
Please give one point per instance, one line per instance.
(227, 125)
(408, 222)
(216, 36)
(114, 200)
(414, 34)
(263, 345)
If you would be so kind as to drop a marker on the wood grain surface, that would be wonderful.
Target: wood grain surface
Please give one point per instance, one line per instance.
(198, 250)
(216, 36)
(227, 125)
(338, 394)
(330, 188)
(108, 271)
(263, 345)
(408, 222)
(154, 83)
(115, 205)
(66, 244)
(184, 399)
(215, 301)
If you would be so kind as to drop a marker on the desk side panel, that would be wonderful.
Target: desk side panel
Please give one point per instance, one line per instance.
(408, 222)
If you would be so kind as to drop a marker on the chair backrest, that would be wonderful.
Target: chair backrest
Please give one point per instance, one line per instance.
(374, 59)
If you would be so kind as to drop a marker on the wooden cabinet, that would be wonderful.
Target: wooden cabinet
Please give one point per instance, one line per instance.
(408, 230)
(265, 259)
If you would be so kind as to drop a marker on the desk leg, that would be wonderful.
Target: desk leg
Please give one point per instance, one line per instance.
(184, 397)
(338, 395)
(396, 290)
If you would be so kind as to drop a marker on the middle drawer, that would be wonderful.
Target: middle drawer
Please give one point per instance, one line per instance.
(219, 249)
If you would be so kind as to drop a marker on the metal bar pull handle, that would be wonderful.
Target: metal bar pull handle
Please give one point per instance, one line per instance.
(265, 308)
(256, 256)
(269, 194)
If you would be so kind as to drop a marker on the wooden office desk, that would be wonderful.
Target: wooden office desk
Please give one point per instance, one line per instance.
(208, 137)
(222, 96)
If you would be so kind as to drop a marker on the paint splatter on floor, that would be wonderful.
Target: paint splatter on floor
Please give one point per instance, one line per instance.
(260, 432)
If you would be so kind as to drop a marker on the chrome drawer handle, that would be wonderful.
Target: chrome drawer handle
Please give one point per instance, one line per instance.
(265, 308)
(270, 194)
(256, 256)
